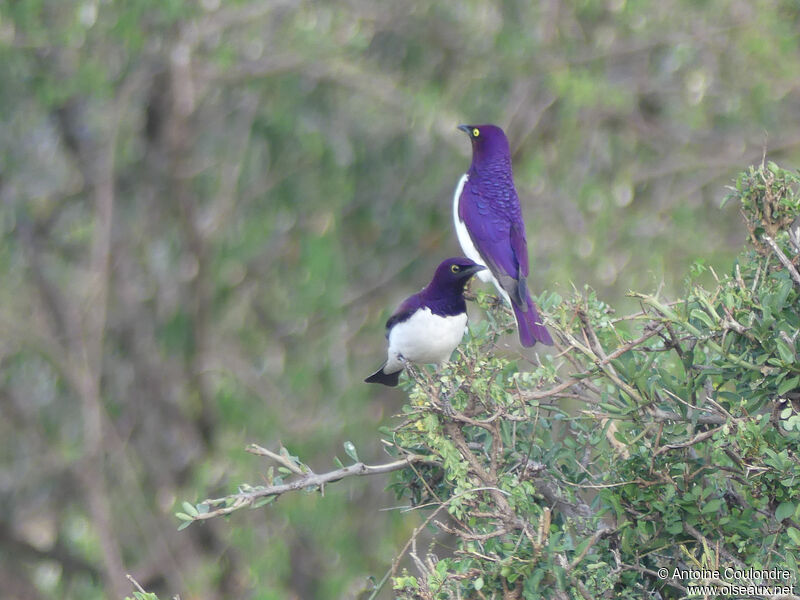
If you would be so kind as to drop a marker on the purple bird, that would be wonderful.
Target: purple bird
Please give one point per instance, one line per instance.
(490, 230)
(428, 326)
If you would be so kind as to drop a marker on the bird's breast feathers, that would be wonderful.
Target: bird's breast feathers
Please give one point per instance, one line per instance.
(426, 338)
(464, 239)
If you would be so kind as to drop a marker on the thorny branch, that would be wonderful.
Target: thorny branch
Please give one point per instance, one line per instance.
(306, 480)
(782, 258)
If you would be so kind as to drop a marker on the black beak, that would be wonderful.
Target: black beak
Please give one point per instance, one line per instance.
(466, 129)
(470, 271)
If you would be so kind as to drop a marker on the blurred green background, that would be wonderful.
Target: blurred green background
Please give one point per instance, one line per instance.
(209, 209)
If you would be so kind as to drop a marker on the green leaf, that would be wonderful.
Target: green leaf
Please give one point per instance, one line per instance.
(478, 584)
(701, 315)
(784, 510)
(263, 501)
(350, 450)
(788, 385)
(711, 506)
(190, 509)
(184, 516)
(787, 354)
(794, 534)
(184, 525)
(675, 527)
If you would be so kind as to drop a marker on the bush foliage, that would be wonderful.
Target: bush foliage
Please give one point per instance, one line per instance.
(665, 439)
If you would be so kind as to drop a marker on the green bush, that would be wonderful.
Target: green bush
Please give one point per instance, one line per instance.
(667, 439)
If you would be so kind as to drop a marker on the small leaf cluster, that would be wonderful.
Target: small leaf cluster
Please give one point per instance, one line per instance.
(768, 198)
(142, 596)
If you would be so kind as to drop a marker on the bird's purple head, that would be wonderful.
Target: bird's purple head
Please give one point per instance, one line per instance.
(454, 273)
(488, 142)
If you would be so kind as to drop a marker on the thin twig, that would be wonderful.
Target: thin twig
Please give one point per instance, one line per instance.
(284, 460)
(782, 257)
(135, 583)
(695, 440)
(580, 376)
(234, 502)
(592, 541)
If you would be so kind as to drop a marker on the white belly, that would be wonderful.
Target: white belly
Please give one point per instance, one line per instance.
(424, 338)
(467, 245)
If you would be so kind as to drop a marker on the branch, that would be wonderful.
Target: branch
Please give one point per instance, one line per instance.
(691, 442)
(307, 481)
(579, 377)
(782, 257)
(670, 315)
(711, 544)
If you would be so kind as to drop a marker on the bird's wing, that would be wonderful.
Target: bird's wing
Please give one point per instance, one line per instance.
(494, 223)
(407, 308)
(520, 248)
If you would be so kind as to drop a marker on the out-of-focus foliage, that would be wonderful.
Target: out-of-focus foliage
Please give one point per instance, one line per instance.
(680, 451)
(209, 208)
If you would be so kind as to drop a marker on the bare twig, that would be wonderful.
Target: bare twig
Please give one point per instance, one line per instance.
(135, 583)
(234, 502)
(695, 440)
(577, 378)
(704, 540)
(281, 458)
(592, 541)
(782, 257)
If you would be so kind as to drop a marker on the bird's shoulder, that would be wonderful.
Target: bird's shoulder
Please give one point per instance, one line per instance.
(404, 312)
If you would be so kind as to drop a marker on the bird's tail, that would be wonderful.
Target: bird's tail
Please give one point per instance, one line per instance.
(390, 379)
(529, 323)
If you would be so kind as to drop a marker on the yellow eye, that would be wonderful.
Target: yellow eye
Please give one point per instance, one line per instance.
(476, 132)
(455, 268)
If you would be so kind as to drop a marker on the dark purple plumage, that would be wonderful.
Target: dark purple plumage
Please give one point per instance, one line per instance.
(490, 229)
(428, 325)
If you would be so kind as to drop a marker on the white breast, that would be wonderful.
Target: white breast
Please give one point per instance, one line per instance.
(424, 338)
(467, 244)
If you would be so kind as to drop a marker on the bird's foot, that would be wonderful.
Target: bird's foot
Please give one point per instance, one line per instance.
(409, 368)
(447, 408)
(415, 372)
(445, 393)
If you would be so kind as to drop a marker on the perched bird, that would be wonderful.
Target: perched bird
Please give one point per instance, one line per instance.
(490, 230)
(428, 326)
